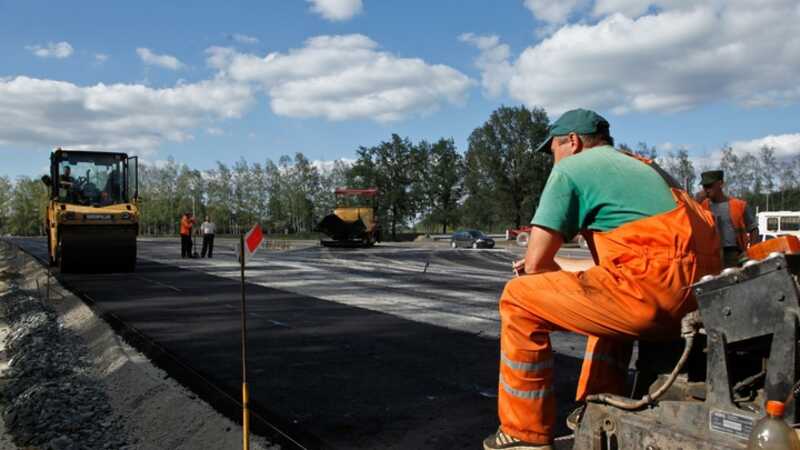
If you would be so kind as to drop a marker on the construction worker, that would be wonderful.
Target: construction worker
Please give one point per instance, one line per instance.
(66, 184)
(187, 222)
(208, 229)
(735, 220)
(649, 240)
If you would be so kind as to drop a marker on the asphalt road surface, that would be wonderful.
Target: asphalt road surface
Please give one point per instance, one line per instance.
(393, 346)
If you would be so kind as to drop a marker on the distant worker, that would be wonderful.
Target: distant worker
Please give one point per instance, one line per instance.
(66, 184)
(650, 242)
(66, 177)
(208, 229)
(187, 222)
(735, 220)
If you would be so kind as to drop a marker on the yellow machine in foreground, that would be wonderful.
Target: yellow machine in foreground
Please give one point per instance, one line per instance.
(93, 213)
(354, 221)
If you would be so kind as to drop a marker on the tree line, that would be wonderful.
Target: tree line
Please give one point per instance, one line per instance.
(428, 187)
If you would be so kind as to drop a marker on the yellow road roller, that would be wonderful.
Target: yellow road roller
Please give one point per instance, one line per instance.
(93, 212)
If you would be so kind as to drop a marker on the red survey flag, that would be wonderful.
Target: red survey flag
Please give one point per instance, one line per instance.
(252, 241)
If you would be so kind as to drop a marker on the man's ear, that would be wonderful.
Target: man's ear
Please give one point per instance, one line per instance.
(576, 143)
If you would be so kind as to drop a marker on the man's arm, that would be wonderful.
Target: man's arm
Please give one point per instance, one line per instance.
(543, 245)
(751, 224)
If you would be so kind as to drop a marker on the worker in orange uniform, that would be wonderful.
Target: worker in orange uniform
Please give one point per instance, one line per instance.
(736, 222)
(187, 222)
(650, 241)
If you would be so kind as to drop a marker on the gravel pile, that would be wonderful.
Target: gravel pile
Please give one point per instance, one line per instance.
(50, 397)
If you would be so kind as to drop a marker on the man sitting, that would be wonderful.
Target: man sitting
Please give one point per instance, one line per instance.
(650, 241)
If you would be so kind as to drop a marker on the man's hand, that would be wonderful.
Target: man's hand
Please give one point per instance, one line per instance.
(542, 248)
(518, 267)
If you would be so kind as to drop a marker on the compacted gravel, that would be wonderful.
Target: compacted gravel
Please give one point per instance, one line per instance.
(50, 398)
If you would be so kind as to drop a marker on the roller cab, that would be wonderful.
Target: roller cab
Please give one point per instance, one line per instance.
(93, 212)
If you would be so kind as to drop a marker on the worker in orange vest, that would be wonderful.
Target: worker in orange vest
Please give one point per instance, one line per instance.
(187, 222)
(735, 220)
(650, 241)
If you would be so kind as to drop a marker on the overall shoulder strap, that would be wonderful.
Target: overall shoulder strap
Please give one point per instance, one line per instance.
(671, 182)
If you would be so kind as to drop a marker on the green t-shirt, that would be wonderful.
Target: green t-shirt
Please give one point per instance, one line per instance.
(600, 189)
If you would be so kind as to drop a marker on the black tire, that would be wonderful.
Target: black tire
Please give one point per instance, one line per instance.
(130, 265)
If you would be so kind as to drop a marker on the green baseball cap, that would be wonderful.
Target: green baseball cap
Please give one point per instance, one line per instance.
(579, 121)
(712, 176)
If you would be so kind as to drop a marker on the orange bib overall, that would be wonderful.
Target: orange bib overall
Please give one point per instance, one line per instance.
(640, 288)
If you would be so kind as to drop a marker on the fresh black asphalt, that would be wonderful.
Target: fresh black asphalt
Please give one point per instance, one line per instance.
(328, 374)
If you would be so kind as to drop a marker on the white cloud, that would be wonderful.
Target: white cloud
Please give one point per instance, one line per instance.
(58, 50)
(666, 147)
(336, 10)
(785, 145)
(325, 167)
(214, 131)
(492, 61)
(244, 39)
(664, 56)
(635, 8)
(344, 77)
(132, 117)
(165, 61)
(554, 11)
(100, 57)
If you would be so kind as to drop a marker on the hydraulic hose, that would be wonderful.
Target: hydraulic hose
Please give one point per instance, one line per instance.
(689, 326)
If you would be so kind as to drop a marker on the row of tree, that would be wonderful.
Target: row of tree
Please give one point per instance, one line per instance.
(424, 186)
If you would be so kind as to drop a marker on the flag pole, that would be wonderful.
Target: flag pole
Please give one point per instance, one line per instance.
(245, 412)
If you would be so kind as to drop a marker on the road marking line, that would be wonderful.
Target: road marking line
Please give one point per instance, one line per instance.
(159, 283)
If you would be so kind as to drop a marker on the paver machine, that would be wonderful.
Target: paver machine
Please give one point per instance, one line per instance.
(354, 221)
(92, 215)
(708, 390)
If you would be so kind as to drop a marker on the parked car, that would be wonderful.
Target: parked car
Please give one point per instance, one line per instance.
(471, 239)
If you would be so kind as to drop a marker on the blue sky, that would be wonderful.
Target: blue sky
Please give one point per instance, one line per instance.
(257, 80)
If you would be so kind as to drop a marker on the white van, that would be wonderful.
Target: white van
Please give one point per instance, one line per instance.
(772, 224)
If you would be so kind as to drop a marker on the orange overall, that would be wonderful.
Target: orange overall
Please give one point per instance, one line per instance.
(638, 289)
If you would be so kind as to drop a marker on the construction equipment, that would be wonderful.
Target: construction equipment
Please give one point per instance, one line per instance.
(354, 221)
(93, 212)
(739, 350)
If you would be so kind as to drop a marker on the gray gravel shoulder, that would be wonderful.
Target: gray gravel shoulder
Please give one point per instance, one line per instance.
(102, 392)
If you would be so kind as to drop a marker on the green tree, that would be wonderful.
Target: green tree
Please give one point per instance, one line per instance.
(645, 151)
(390, 166)
(504, 174)
(767, 173)
(441, 181)
(6, 194)
(681, 168)
(28, 204)
(337, 176)
(276, 204)
(219, 197)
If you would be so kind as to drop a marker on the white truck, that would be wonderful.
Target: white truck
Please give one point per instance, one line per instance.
(772, 224)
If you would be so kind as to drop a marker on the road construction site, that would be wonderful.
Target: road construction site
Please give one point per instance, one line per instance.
(394, 346)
